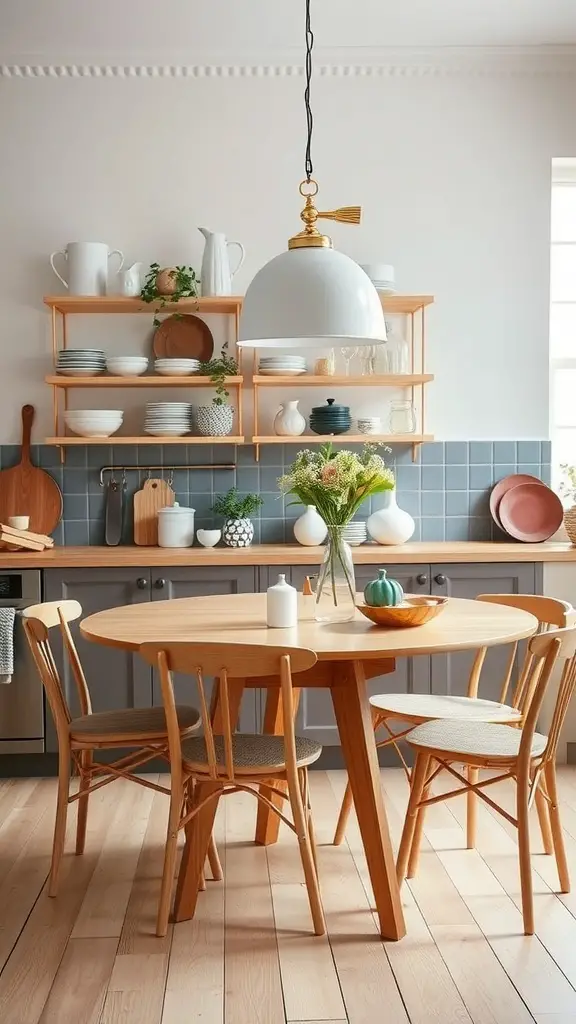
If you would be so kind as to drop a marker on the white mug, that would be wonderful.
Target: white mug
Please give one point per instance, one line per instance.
(87, 267)
(19, 522)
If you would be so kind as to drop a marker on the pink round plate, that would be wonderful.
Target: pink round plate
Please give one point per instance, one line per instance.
(531, 512)
(500, 489)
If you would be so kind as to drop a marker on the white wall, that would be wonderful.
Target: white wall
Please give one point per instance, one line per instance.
(453, 171)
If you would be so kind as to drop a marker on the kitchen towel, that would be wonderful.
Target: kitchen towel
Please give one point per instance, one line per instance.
(7, 616)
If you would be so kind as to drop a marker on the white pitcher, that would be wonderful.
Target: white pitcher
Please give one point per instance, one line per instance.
(289, 421)
(216, 274)
(87, 267)
(130, 280)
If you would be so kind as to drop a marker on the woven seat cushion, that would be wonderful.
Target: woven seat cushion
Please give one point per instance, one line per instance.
(138, 724)
(474, 738)
(252, 753)
(428, 706)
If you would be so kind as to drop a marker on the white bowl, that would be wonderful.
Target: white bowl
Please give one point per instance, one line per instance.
(208, 538)
(127, 366)
(175, 371)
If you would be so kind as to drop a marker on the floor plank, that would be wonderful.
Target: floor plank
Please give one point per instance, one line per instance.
(136, 990)
(81, 983)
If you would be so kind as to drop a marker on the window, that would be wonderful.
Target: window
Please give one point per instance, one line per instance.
(563, 317)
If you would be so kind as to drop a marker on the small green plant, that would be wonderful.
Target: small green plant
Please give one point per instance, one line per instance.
(235, 506)
(185, 287)
(218, 370)
(567, 488)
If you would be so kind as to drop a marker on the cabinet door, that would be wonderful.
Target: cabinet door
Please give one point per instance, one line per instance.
(197, 581)
(116, 678)
(412, 675)
(450, 672)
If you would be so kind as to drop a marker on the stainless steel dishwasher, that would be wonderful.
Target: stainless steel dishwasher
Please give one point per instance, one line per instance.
(21, 700)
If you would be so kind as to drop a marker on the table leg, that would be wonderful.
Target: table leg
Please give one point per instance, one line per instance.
(200, 828)
(352, 709)
(268, 823)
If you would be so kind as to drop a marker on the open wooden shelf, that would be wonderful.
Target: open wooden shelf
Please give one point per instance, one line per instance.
(145, 439)
(121, 304)
(309, 380)
(145, 381)
(346, 439)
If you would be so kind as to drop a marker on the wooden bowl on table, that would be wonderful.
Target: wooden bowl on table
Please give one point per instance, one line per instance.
(414, 611)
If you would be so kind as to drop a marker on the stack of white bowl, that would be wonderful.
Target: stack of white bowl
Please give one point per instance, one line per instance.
(94, 422)
(167, 419)
(176, 367)
(369, 425)
(282, 366)
(127, 366)
(81, 362)
(354, 533)
(382, 276)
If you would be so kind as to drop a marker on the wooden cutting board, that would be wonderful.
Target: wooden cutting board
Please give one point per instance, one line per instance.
(154, 495)
(26, 490)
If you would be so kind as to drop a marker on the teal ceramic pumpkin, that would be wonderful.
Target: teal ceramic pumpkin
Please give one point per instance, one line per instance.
(383, 593)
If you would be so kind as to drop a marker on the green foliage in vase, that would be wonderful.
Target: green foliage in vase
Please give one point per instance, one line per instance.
(567, 488)
(218, 370)
(185, 287)
(236, 506)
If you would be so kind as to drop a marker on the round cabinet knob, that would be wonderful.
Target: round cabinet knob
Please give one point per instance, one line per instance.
(421, 579)
(160, 584)
(141, 583)
(440, 579)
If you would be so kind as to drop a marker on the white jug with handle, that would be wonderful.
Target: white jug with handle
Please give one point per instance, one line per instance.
(130, 280)
(87, 267)
(216, 275)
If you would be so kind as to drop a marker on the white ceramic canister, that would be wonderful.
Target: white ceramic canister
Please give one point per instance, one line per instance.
(281, 604)
(175, 527)
(310, 529)
(390, 525)
(289, 421)
(87, 267)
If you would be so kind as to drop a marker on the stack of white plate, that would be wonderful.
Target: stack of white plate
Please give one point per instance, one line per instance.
(282, 366)
(126, 366)
(355, 533)
(369, 425)
(382, 276)
(176, 367)
(93, 422)
(167, 419)
(81, 362)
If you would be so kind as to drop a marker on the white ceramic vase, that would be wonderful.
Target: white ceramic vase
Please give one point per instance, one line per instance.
(289, 421)
(310, 529)
(390, 525)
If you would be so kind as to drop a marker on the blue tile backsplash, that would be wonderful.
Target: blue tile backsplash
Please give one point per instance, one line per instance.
(446, 491)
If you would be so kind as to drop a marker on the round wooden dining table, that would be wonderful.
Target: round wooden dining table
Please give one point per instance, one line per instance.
(348, 654)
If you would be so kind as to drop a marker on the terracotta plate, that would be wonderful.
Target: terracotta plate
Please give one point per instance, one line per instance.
(531, 512)
(183, 336)
(500, 489)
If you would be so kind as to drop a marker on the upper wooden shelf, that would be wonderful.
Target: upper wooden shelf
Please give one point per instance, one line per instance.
(70, 441)
(392, 380)
(305, 439)
(226, 304)
(121, 304)
(59, 381)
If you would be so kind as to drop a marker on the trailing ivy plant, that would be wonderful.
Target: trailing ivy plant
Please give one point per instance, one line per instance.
(235, 506)
(218, 370)
(185, 287)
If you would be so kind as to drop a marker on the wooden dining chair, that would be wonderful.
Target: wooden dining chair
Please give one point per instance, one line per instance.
(144, 729)
(415, 708)
(522, 754)
(235, 761)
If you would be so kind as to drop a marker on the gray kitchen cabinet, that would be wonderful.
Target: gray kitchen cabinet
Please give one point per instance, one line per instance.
(204, 581)
(116, 678)
(450, 672)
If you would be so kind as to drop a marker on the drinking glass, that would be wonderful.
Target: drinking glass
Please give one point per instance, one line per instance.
(348, 352)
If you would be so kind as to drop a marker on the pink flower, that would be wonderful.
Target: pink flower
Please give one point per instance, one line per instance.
(329, 475)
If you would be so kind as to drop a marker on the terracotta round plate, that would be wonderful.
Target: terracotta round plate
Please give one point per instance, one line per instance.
(500, 489)
(531, 512)
(183, 336)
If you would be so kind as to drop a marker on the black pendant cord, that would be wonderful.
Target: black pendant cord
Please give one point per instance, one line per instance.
(309, 118)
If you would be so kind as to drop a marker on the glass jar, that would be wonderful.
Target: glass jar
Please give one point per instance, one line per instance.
(396, 351)
(336, 589)
(402, 417)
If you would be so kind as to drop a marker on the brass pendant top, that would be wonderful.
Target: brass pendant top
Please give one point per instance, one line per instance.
(311, 236)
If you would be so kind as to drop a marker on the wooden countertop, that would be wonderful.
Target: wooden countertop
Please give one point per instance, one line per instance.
(287, 554)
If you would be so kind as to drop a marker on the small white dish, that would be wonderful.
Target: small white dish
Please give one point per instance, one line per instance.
(208, 538)
(19, 522)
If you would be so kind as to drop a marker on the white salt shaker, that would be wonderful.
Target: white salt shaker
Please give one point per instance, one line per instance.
(281, 604)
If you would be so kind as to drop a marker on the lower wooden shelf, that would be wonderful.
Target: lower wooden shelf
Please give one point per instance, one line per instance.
(146, 439)
(346, 439)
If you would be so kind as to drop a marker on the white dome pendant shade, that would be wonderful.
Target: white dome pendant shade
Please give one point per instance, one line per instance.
(311, 297)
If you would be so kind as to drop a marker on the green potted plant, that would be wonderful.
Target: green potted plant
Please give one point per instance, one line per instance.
(169, 285)
(215, 420)
(238, 530)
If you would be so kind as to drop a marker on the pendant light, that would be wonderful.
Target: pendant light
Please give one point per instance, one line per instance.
(312, 296)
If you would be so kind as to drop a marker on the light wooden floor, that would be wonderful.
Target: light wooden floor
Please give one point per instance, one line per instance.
(90, 957)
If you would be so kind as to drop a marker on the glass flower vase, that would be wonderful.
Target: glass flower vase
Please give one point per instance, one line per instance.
(336, 589)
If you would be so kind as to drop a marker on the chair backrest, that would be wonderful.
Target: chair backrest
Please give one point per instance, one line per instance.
(546, 649)
(38, 620)
(551, 614)
(225, 662)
